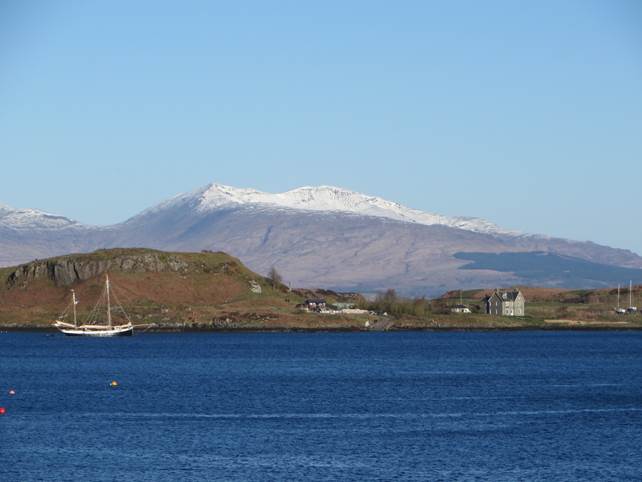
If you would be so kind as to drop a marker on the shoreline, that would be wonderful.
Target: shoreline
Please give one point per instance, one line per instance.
(169, 330)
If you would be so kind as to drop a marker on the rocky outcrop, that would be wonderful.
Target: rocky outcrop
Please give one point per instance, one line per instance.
(67, 270)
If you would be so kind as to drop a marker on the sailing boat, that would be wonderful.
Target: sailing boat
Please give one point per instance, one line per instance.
(631, 308)
(618, 310)
(93, 329)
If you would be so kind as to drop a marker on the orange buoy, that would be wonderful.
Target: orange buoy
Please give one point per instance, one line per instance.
(113, 383)
(12, 392)
(2, 411)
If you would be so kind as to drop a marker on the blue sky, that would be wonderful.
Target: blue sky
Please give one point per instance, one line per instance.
(526, 113)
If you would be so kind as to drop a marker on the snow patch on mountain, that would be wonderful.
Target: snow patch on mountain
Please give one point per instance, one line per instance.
(326, 199)
(23, 219)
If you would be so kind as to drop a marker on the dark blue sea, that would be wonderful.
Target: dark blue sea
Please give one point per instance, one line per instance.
(322, 406)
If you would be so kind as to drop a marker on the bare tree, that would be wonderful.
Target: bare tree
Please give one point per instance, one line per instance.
(275, 277)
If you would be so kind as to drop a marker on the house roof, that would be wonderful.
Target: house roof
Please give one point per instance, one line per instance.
(504, 295)
(509, 295)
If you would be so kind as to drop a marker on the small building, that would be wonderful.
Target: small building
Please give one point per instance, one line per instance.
(460, 309)
(315, 304)
(505, 303)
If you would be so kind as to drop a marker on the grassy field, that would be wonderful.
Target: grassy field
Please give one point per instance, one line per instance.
(550, 308)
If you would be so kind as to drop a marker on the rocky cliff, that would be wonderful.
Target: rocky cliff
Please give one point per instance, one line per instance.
(70, 269)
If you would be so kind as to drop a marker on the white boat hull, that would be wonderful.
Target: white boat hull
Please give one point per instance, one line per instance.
(124, 330)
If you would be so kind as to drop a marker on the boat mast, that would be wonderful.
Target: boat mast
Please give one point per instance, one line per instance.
(618, 297)
(74, 302)
(108, 307)
(630, 293)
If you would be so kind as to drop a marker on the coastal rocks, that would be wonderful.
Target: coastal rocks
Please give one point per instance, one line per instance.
(236, 320)
(379, 325)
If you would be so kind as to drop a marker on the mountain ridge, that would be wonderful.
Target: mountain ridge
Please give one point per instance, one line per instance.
(28, 218)
(305, 198)
(320, 199)
(322, 237)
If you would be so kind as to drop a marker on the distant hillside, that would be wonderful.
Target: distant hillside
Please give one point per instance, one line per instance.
(326, 237)
(549, 269)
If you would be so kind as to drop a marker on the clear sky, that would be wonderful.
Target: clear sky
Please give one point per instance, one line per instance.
(527, 113)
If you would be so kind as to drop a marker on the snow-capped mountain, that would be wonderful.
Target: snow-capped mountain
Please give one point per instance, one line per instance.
(25, 219)
(330, 237)
(328, 199)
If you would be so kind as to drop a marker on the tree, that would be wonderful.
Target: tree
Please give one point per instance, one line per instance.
(385, 302)
(419, 306)
(390, 296)
(275, 277)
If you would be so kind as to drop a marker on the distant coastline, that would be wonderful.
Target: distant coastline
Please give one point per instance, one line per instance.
(215, 292)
